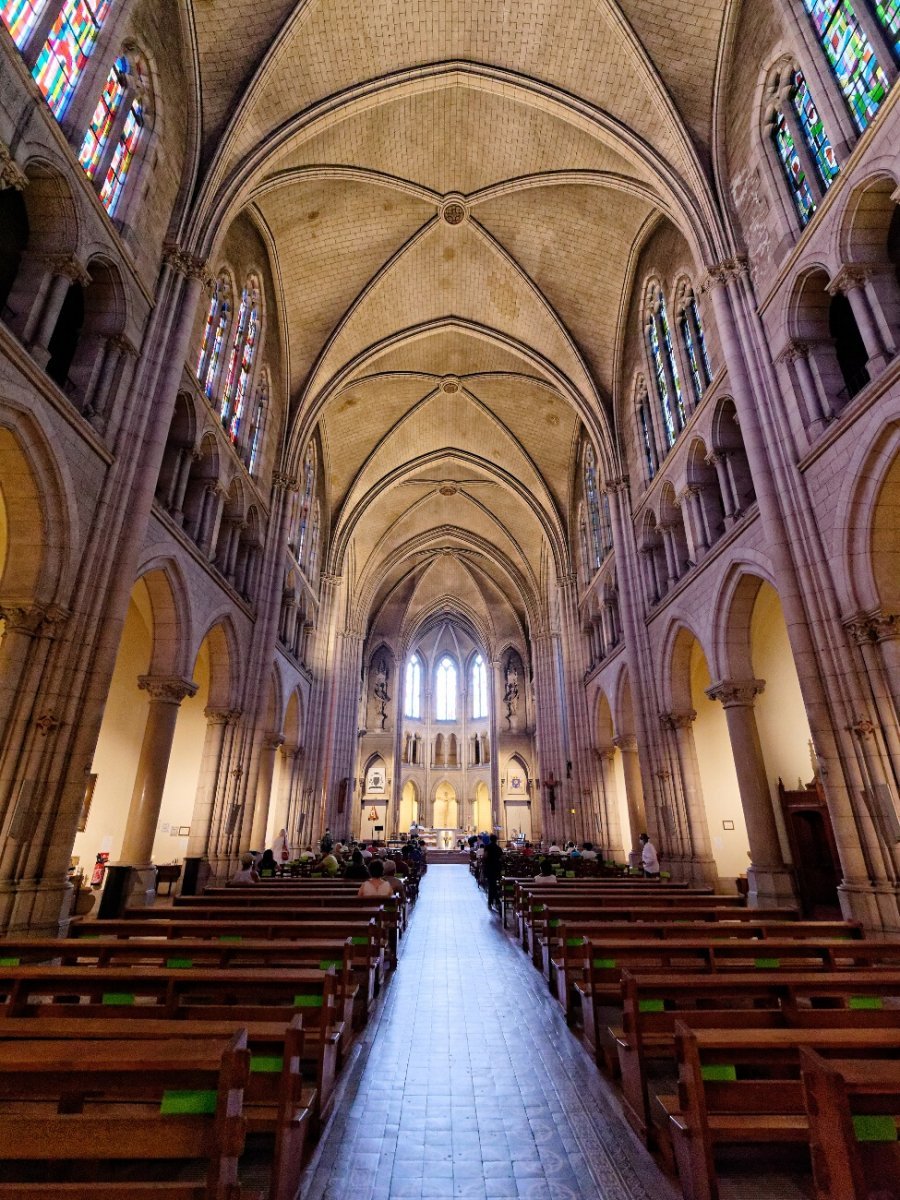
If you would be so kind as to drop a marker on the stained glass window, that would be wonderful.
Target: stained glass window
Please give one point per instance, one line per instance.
(412, 697)
(793, 168)
(647, 438)
(605, 524)
(254, 441)
(445, 690)
(479, 689)
(670, 355)
(694, 341)
(111, 192)
(214, 338)
(237, 345)
(820, 147)
(20, 17)
(309, 474)
(701, 339)
(888, 13)
(851, 55)
(662, 386)
(590, 493)
(104, 115)
(68, 47)
(313, 562)
(243, 384)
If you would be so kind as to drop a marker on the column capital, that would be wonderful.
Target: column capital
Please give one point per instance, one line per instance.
(185, 263)
(272, 741)
(281, 479)
(874, 626)
(620, 483)
(721, 273)
(68, 267)
(35, 620)
(850, 277)
(221, 716)
(736, 693)
(627, 741)
(792, 351)
(11, 174)
(170, 689)
(678, 720)
(687, 493)
(607, 754)
(123, 344)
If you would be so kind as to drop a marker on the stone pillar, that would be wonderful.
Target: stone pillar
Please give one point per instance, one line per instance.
(271, 742)
(166, 695)
(851, 281)
(65, 271)
(668, 537)
(694, 524)
(289, 755)
(217, 720)
(702, 864)
(634, 787)
(729, 500)
(768, 876)
(612, 825)
(188, 456)
(816, 407)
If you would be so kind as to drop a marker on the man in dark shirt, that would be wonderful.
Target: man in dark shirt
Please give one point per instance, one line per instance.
(492, 864)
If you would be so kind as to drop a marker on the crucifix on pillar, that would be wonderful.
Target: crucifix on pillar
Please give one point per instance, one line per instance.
(551, 784)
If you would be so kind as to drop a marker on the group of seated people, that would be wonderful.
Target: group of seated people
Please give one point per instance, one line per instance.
(381, 873)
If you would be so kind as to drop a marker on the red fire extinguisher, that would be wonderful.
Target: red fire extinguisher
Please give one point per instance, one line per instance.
(99, 868)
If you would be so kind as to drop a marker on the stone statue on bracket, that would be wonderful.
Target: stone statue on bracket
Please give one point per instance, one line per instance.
(511, 695)
(380, 691)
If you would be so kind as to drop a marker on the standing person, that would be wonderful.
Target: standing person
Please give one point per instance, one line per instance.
(327, 842)
(649, 859)
(492, 865)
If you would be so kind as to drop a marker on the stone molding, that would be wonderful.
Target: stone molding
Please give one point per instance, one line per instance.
(850, 277)
(68, 267)
(720, 274)
(34, 619)
(627, 741)
(875, 626)
(281, 479)
(736, 693)
(221, 716)
(170, 689)
(794, 350)
(863, 728)
(678, 720)
(191, 266)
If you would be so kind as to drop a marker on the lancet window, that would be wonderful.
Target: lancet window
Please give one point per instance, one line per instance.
(479, 688)
(445, 690)
(20, 18)
(693, 338)
(665, 371)
(412, 694)
(69, 45)
(253, 444)
(214, 334)
(116, 127)
(840, 25)
(240, 363)
(804, 150)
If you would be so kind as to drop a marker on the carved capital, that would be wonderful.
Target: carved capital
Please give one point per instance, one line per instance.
(687, 494)
(848, 279)
(607, 754)
(722, 273)
(626, 742)
(678, 720)
(736, 693)
(272, 741)
(68, 267)
(793, 351)
(218, 716)
(170, 689)
(191, 266)
(34, 620)
(123, 344)
(619, 484)
(281, 479)
(11, 175)
(875, 626)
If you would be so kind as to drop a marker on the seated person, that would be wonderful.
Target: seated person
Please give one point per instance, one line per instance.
(376, 887)
(553, 848)
(588, 852)
(267, 868)
(390, 874)
(357, 868)
(545, 872)
(307, 855)
(329, 864)
(247, 872)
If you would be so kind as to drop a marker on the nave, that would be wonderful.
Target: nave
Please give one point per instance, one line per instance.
(469, 1083)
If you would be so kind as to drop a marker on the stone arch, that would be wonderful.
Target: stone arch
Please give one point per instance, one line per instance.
(821, 317)
(105, 317)
(736, 482)
(292, 720)
(171, 622)
(224, 663)
(870, 516)
(671, 519)
(39, 513)
(867, 217)
(676, 682)
(708, 501)
(604, 727)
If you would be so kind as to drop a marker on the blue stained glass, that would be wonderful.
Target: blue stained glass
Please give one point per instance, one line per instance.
(662, 387)
(888, 13)
(793, 169)
(20, 17)
(673, 366)
(814, 131)
(69, 44)
(693, 361)
(701, 338)
(648, 444)
(851, 55)
(590, 489)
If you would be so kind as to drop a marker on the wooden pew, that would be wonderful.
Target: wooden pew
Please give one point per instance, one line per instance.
(742, 1087)
(236, 993)
(90, 1108)
(604, 960)
(854, 1117)
(535, 906)
(651, 1005)
(277, 1102)
(561, 950)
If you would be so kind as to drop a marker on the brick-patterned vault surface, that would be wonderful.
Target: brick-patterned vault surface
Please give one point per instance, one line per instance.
(470, 1084)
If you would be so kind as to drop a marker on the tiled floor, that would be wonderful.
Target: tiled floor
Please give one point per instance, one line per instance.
(468, 1082)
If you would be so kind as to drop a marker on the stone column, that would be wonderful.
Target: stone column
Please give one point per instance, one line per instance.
(179, 484)
(851, 282)
(166, 695)
(289, 755)
(65, 271)
(612, 825)
(816, 408)
(694, 524)
(668, 537)
(271, 742)
(768, 876)
(702, 863)
(217, 720)
(729, 502)
(634, 787)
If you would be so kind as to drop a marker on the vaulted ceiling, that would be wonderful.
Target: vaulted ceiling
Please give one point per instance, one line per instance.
(455, 193)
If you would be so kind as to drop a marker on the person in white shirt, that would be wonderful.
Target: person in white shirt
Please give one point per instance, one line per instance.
(553, 849)
(247, 873)
(649, 859)
(545, 875)
(588, 852)
(376, 887)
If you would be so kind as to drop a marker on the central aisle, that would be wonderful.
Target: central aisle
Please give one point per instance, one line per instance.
(469, 1083)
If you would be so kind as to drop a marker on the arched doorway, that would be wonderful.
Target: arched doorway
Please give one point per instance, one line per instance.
(409, 806)
(446, 814)
(481, 809)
